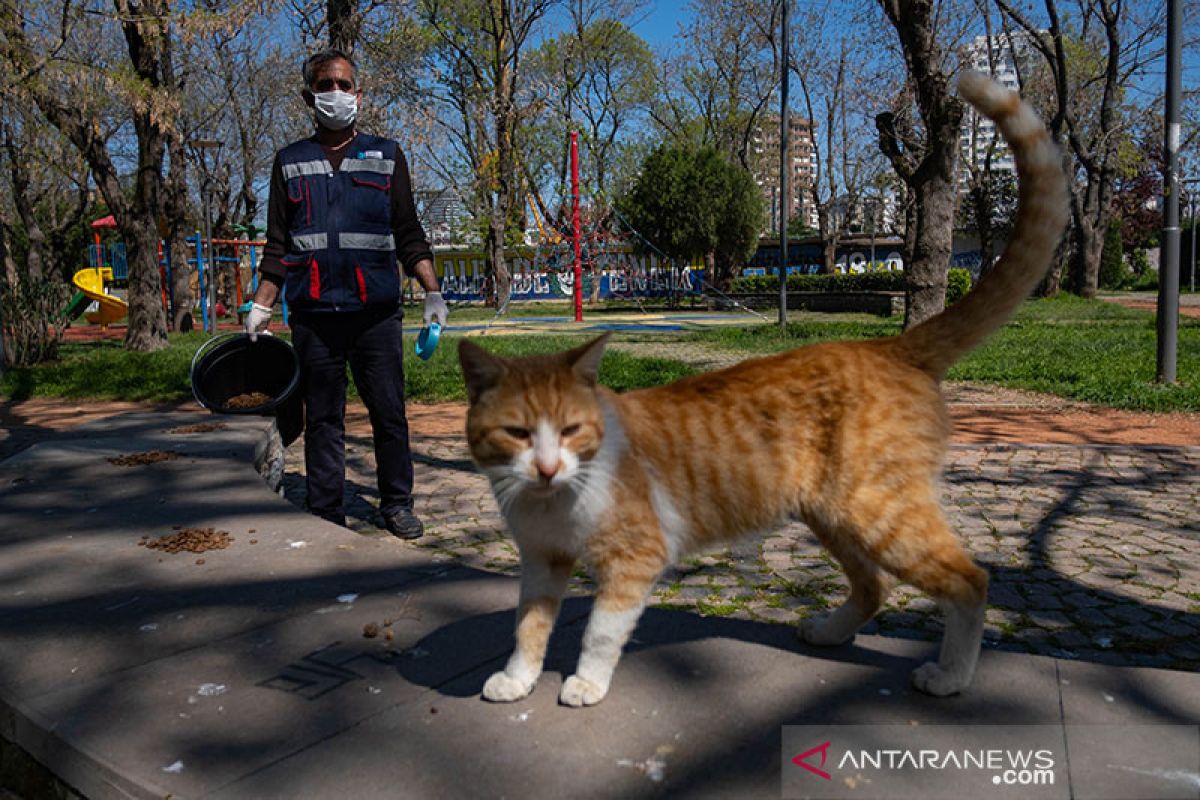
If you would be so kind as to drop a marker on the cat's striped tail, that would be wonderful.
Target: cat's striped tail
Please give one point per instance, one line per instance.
(934, 345)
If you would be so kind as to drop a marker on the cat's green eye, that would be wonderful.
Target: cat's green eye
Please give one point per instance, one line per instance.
(570, 430)
(517, 433)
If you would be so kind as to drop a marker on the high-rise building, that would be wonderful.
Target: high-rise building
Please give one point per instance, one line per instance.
(999, 56)
(765, 154)
(443, 214)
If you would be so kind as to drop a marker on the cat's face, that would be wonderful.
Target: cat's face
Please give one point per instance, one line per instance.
(534, 423)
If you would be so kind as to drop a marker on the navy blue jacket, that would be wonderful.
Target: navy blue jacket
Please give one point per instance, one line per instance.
(337, 236)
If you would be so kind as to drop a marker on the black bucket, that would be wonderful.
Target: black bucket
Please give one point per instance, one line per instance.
(228, 366)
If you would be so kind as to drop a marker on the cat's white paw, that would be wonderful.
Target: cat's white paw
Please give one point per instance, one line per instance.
(577, 691)
(932, 679)
(503, 688)
(818, 631)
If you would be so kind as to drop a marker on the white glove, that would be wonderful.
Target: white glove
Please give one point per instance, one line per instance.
(435, 309)
(257, 320)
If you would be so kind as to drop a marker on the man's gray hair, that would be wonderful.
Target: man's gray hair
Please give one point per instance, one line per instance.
(313, 62)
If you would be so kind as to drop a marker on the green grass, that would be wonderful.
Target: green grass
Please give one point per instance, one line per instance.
(1085, 350)
(106, 371)
(1080, 349)
(440, 378)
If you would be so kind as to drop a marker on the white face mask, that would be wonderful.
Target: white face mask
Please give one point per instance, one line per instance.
(335, 110)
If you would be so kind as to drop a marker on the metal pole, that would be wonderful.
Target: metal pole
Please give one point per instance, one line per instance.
(784, 167)
(1168, 265)
(210, 265)
(200, 279)
(575, 226)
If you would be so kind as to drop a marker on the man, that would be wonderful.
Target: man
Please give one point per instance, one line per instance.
(340, 221)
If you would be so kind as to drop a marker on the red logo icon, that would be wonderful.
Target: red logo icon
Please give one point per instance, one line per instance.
(823, 749)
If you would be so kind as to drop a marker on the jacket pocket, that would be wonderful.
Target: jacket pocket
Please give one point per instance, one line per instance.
(299, 196)
(302, 285)
(378, 279)
(372, 198)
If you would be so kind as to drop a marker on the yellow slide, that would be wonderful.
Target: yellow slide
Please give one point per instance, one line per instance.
(90, 281)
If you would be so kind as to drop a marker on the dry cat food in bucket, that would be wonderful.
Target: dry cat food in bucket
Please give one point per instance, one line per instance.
(248, 400)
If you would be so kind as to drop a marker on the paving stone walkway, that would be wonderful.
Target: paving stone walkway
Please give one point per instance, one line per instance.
(1091, 549)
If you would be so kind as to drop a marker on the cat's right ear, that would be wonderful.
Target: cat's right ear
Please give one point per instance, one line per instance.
(585, 359)
(481, 369)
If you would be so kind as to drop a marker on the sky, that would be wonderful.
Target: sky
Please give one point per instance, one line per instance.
(659, 23)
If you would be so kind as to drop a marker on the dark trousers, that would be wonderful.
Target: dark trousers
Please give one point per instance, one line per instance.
(371, 343)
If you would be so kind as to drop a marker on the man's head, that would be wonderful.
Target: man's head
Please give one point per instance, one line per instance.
(329, 84)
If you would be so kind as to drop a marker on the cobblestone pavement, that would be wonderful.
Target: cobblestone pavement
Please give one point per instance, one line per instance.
(1092, 550)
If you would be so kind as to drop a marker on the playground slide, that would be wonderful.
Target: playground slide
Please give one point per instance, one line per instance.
(91, 282)
(74, 308)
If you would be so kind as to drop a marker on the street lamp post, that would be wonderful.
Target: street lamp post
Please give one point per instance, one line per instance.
(205, 145)
(1168, 267)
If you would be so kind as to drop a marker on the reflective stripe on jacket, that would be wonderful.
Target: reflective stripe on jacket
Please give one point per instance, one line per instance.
(341, 253)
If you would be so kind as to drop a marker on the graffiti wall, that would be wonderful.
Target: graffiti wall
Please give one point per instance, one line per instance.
(539, 275)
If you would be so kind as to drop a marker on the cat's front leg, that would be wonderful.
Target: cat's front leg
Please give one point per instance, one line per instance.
(543, 581)
(619, 604)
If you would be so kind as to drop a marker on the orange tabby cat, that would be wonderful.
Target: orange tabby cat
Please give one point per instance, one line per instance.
(853, 433)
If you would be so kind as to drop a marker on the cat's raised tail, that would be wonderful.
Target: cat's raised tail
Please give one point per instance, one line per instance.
(934, 345)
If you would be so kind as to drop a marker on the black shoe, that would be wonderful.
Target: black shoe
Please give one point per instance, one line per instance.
(403, 524)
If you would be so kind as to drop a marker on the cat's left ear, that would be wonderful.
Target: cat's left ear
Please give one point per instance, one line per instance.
(481, 369)
(585, 360)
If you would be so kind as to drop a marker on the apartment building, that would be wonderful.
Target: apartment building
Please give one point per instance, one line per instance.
(999, 56)
(803, 160)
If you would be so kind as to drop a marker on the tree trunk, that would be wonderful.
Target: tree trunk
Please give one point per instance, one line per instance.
(7, 261)
(926, 291)
(933, 179)
(341, 18)
(981, 199)
(1085, 260)
(175, 208)
(147, 329)
(496, 261)
(829, 255)
(1051, 284)
(182, 301)
(35, 237)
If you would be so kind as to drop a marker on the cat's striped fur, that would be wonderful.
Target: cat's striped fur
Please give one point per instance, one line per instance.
(848, 437)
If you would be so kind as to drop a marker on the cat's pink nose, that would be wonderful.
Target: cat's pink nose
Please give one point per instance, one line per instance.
(547, 473)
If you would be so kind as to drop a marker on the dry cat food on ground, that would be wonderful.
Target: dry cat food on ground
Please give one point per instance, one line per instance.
(248, 400)
(192, 540)
(150, 457)
(199, 427)
(373, 629)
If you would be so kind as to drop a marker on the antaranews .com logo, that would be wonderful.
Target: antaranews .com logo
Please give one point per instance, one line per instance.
(987, 762)
(1008, 767)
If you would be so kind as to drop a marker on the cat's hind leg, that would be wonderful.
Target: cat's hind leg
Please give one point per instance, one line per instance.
(543, 581)
(920, 549)
(869, 587)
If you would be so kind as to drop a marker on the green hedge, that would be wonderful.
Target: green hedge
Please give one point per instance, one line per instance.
(958, 283)
(838, 282)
